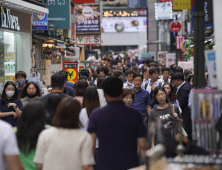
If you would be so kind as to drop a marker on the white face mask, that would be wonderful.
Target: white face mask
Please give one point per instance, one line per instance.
(131, 84)
(10, 93)
(191, 84)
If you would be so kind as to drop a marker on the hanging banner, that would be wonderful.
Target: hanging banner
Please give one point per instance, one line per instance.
(59, 13)
(181, 4)
(170, 59)
(72, 70)
(175, 26)
(211, 66)
(179, 40)
(87, 18)
(85, 39)
(163, 11)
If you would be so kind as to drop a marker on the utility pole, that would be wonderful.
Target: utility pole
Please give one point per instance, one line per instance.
(199, 58)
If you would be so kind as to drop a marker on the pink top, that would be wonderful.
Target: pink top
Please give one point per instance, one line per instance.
(79, 98)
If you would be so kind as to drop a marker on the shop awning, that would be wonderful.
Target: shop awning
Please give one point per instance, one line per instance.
(23, 6)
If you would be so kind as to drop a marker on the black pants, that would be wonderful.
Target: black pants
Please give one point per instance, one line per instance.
(187, 125)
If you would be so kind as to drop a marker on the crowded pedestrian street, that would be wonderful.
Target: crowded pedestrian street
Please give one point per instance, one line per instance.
(110, 85)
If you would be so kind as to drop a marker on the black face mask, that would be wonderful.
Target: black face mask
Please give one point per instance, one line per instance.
(31, 96)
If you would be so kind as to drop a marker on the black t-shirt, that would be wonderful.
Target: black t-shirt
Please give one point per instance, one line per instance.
(164, 115)
(45, 98)
(118, 127)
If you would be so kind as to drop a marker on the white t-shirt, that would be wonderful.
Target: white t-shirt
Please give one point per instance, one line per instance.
(84, 119)
(102, 99)
(8, 143)
(67, 149)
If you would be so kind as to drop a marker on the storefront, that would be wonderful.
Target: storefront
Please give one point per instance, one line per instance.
(16, 39)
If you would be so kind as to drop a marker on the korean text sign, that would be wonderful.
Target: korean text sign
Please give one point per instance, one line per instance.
(72, 70)
(87, 18)
(41, 23)
(59, 13)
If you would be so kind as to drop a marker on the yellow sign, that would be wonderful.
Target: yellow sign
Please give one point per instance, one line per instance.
(71, 75)
(181, 4)
(119, 14)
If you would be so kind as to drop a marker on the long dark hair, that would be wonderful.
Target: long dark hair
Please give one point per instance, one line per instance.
(4, 96)
(81, 87)
(24, 90)
(67, 114)
(30, 124)
(156, 90)
(173, 95)
(90, 99)
(51, 106)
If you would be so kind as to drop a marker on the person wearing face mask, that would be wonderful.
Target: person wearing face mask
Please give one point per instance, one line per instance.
(30, 92)
(20, 76)
(129, 77)
(10, 106)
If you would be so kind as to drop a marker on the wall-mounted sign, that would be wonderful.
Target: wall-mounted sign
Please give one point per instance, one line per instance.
(83, 1)
(121, 24)
(146, 55)
(9, 21)
(72, 70)
(170, 59)
(179, 40)
(124, 13)
(87, 18)
(41, 23)
(83, 39)
(181, 4)
(137, 3)
(163, 11)
(175, 26)
(208, 13)
(59, 13)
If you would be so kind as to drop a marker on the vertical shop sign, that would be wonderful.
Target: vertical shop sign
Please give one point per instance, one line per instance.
(179, 40)
(170, 59)
(59, 13)
(181, 4)
(208, 13)
(72, 70)
(87, 18)
(41, 23)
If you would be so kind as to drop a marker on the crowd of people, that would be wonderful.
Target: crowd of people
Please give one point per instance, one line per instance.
(101, 122)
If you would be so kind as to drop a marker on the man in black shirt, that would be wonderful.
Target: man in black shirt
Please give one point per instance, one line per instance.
(120, 130)
(58, 86)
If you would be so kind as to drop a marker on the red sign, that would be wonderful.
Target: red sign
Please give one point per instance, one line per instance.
(179, 40)
(175, 26)
(72, 70)
(83, 1)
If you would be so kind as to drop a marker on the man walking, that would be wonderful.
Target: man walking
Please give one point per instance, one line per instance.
(129, 77)
(166, 75)
(142, 100)
(183, 91)
(145, 72)
(119, 128)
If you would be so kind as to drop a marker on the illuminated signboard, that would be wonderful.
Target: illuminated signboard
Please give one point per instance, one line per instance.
(125, 13)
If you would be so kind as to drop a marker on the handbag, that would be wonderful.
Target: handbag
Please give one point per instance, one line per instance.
(180, 127)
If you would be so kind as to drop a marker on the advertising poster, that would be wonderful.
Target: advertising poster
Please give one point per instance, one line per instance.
(211, 66)
(91, 56)
(87, 18)
(124, 24)
(72, 70)
(170, 59)
(163, 11)
(42, 21)
(161, 58)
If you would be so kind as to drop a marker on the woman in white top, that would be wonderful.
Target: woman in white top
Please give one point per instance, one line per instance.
(90, 102)
(65, 146)
(100, 80)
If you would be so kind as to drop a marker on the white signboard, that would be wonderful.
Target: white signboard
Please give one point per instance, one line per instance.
(83, 39)
(211, 66)
(170, 59)
(186, 65)
(121, 24)
(163, 10)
